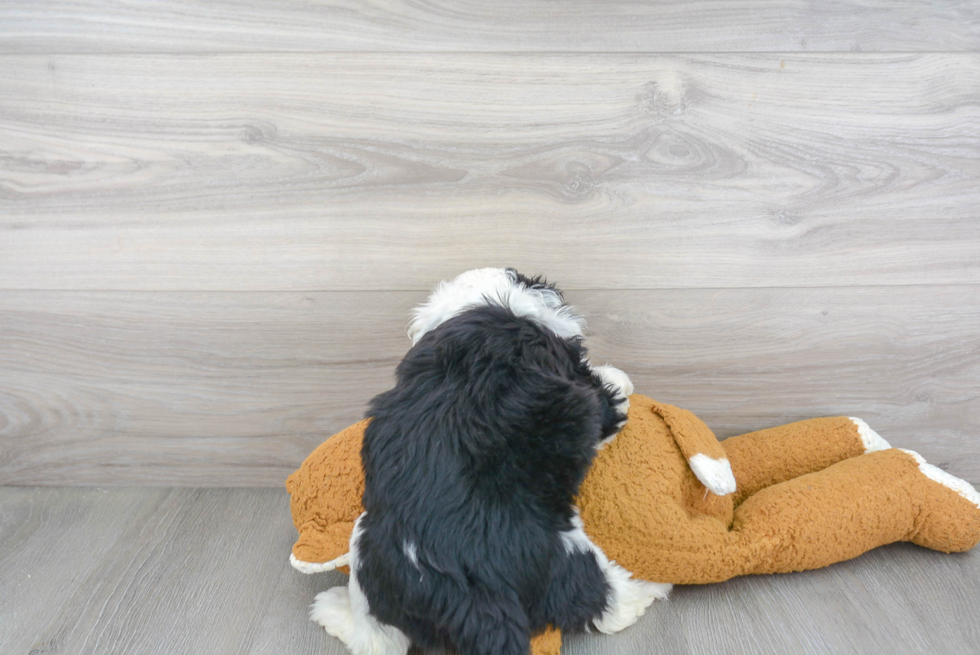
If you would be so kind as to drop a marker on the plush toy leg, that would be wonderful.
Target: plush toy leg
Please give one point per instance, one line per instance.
(856, 505)
(767, 457)
(818, 519)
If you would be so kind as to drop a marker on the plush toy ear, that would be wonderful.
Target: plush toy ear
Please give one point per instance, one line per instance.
(325, 500)
(700, 448)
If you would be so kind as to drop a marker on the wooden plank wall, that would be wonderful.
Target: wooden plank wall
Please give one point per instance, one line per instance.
(215, 217)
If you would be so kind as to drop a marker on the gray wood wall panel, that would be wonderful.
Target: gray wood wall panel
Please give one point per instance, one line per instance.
(139, 571)
(186, 388)
(236, 388)
(503, 25)
(382, 171)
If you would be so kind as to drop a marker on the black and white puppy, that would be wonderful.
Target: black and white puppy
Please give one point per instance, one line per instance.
(470, 536)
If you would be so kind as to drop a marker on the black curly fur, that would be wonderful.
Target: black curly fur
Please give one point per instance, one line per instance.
(474, 459)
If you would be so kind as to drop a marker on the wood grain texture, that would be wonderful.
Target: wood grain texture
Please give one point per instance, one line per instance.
(165, 571)
(51, 542)
(505, 25)
(190, 571)
(216, 389)
(390, 171)
(198, 389)
(897, 599)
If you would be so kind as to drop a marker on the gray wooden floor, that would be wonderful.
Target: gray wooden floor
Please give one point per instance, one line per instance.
(142, 570)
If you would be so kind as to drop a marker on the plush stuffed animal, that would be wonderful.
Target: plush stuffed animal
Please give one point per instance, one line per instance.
(672, 504)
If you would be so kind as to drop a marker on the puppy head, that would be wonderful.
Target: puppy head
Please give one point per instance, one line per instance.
(533, 298)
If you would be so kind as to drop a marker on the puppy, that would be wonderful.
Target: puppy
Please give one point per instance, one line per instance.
(470, 536)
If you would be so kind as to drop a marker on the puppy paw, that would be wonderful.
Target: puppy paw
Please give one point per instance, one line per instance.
(619, 383)
(629, 599)
(332, 610)
(344, 613)
(615, 379)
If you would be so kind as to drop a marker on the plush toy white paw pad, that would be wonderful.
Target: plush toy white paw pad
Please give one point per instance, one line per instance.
(936, 474)
(871, 440)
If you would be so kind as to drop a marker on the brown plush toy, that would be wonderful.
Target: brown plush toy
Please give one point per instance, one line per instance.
(672, 504)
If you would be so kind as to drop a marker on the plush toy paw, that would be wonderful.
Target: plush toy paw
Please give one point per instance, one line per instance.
(871, 440)
(318, 567)
(948, 509)
(936, 474)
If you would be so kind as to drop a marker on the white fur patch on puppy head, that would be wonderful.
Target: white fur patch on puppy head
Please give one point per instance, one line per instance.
(481, 287)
